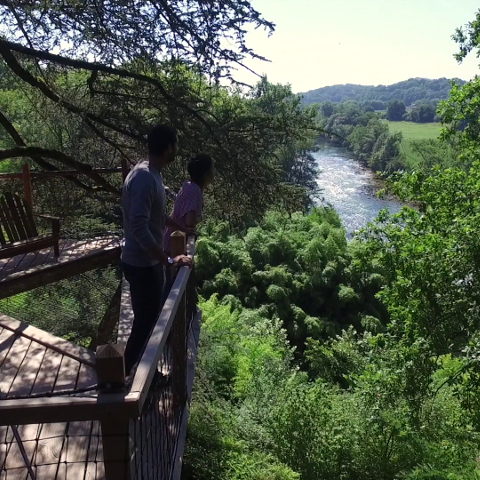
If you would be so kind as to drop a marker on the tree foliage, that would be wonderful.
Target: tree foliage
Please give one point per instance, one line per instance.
(298, 269)
(100, 92)
(395, 110)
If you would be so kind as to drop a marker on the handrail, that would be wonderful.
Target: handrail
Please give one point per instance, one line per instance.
(57, 173)
(153, 351)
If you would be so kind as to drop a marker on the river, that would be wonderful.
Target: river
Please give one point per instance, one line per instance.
(350, 188)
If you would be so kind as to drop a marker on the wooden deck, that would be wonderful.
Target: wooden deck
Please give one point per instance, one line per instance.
(126, 314)
(83, 430)
(34, 362)
(28, 271)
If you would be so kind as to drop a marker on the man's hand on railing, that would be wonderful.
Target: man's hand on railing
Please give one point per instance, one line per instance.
(182, 261)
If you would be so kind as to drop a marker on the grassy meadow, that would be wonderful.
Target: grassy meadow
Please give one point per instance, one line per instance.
(415, 131)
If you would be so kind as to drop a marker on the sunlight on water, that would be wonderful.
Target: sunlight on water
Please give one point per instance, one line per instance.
(350, 188)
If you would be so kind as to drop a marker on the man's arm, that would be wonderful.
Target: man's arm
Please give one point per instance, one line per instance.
(142, 193)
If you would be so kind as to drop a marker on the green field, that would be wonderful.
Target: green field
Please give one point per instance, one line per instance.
(415, 131)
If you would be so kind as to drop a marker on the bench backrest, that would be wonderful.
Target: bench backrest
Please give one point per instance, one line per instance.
(16, 220)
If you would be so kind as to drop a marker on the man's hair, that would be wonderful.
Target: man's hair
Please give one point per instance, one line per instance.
(160, 138)
(199, 166)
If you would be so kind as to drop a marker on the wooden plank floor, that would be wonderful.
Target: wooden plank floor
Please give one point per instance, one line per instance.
(33, 362)
(28, 271)
(126, 314)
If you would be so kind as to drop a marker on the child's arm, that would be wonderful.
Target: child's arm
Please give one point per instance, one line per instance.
(192, 219)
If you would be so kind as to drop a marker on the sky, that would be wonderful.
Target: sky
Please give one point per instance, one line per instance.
(369, 42)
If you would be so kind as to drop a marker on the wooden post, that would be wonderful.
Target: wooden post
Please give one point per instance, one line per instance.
(117, 451)
(27, 186)
(178, 246)
(110, 365)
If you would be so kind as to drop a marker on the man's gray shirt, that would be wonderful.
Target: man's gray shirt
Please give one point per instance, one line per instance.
(143, 202)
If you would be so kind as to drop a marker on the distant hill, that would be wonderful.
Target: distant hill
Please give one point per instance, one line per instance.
(410, 91)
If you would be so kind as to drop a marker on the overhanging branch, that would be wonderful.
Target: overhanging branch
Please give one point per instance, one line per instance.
(6, 46)
(27, 77)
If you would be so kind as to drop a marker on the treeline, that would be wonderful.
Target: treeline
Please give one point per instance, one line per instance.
(414, 90)
(419, 113)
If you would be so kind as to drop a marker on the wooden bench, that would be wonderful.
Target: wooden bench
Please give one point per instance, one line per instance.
(18, 231)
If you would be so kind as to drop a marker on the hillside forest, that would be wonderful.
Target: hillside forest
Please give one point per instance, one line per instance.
(410, 92)
(320, 358)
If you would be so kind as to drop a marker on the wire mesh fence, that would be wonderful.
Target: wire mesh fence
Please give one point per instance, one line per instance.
(70, 308)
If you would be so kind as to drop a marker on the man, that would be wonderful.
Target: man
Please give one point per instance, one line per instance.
(144, 221)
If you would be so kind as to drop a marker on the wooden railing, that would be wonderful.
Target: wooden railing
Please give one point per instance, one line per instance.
(27, 175)
(140, 425)
(144, 447)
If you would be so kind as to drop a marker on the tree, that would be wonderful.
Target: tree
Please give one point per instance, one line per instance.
(431, 258)
(395, 110)
(327, 109)
(166, 66)
(424, 113)
(460, 113)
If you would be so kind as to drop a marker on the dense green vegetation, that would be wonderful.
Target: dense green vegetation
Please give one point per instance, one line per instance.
(414, 90)
(371, 399)
(299, 269)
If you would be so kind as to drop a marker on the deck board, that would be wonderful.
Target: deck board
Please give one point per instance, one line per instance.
(47, 372)
(27, 271)
(27, 373)
(53, 436)
(28, 366)
(126, 314)
(12, 364)
(7, 338)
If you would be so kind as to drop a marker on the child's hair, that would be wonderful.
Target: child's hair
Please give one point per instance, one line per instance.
(199, 166)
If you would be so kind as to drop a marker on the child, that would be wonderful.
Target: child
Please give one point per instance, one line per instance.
(188, 208)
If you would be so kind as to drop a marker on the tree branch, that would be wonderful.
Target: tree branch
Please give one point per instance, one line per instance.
(41, 162)
(97, 67)
(27, 77)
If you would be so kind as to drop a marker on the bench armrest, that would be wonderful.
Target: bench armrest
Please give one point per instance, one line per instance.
(55, 221)
(47, 217)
